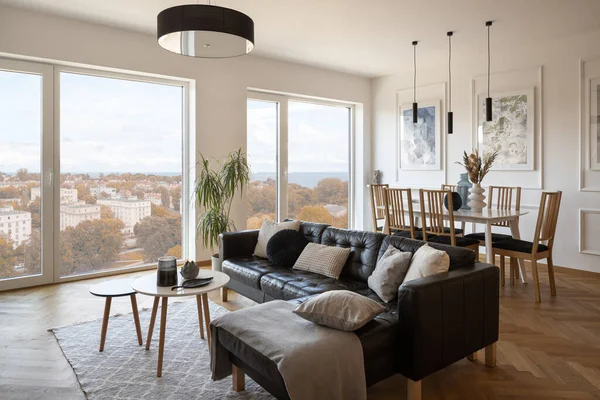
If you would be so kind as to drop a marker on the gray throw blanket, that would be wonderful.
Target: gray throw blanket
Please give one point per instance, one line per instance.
(315, 362)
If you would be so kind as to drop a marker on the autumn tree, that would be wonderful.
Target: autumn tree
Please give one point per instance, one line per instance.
(158, 211)
(176, 198)
(175, 251)
(32, 253)
(8, 259)
(83, 193)
(22, 175)
(165, 196)
(315, 214)
(156, 235)
(106, 212)
(332, 191)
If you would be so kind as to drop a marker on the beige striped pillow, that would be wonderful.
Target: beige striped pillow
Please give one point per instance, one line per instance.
(323, 260)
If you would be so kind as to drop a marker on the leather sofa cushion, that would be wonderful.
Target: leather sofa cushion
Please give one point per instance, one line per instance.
(288, 284)
(496, 237)
(364, 248)
(459, 257)
(312, 231)
(249, 270)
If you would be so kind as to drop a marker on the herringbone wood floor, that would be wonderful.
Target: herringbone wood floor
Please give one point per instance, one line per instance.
(546, 351)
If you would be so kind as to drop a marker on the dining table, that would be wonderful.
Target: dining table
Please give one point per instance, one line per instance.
(486, 217)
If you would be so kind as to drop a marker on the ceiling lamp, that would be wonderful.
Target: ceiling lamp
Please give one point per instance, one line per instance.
(415, 106)
(488, 99)
(205, 31)
(450, 115)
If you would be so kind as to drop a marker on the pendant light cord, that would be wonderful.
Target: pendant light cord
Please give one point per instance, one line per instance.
(449, 71)
(489, 58)
(415, 72)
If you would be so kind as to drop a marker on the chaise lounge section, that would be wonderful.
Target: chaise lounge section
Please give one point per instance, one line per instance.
(434, 322)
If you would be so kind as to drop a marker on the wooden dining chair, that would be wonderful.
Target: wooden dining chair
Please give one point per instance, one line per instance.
(433, 217)
(399, 213)
(377, 206)
(451, 188)
(545, 230)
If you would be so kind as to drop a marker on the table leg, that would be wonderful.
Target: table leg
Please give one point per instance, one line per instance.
(514, 230)
(161, 341)
(199, 304)
(206, 317)
(136, 318)
(152, 321)
(105, 322)
(489, 253)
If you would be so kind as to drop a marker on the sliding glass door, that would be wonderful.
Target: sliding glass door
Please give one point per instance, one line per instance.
(299, 152)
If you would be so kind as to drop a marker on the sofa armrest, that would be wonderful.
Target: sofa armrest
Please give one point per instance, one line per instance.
(237, 244)
(446, 317)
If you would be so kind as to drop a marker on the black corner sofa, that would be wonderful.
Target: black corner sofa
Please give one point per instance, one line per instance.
(434, 322)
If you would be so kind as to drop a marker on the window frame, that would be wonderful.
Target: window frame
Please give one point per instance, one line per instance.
(283, 101)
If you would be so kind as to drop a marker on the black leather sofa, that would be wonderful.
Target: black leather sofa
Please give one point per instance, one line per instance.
(434, 322)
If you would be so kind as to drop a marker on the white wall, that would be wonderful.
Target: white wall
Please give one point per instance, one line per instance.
(560, 130)
(220, 84)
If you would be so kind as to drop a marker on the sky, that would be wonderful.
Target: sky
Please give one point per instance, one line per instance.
(318, 137)
(106, 124)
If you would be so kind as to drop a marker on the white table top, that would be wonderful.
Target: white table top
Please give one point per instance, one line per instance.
(114, 288)
(147, 285)
(486, 215)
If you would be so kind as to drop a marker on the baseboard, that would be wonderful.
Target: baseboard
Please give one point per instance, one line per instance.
(557, 268)
(204, 263)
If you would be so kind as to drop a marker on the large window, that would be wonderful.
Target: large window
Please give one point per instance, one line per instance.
(94, 172)
(299, 154)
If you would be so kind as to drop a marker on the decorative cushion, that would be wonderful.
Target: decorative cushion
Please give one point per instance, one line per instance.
(389, 273)
(323, 260)
(427, 261)
(496, 237)
(460, 241)
(522, 246)
(340, 309)
(284, 247)
(268, 229)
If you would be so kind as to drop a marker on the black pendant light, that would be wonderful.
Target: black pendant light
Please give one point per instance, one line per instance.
(488, 99)
(205, 31)
(450, 115)
(415, 106)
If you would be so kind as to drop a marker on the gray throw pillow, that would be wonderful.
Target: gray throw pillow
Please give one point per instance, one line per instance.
(323, 260)
(340, 309)
(389, 273)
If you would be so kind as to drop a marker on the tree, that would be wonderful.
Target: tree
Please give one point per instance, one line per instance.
(32, 253)
(8, 259)
(165, 197)
(90, 244)
(315, 214)
(83, 193)
(175, 251)
(106, 212)
(176, 197)
(158, 211)
(35, 208)
(156, 235)
(22, 175)
(332, 191)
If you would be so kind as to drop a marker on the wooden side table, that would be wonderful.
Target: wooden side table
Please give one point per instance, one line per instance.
(116, 288)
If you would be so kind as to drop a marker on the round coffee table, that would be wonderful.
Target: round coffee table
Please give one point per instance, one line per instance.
(147, 285)
(116, 288)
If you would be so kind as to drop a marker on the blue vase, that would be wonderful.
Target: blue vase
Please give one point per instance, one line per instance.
(462, 187)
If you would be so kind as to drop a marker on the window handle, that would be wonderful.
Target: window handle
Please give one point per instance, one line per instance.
(50, 177)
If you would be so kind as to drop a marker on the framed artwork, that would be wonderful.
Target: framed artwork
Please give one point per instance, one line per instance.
(420, 143)
(594, 128)
(512, 130)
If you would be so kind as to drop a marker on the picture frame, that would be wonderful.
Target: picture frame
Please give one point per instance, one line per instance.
(511, 131)
(594, 125)
(419, 145)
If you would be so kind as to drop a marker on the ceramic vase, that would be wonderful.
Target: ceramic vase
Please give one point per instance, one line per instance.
(476, 198)
(216, 262)
(462, 187)
(456, 201)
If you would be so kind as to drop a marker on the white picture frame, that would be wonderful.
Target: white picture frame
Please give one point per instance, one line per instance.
(594, 125)
(511, 131)
(419, 145)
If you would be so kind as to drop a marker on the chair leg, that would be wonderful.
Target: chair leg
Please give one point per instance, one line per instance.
(517, 271)
(224, 294)
(413, 390)
(490, 355)
(513, 267)
(551, 276)
(536, 281)
(238, 379)
(472, 357)
(502, 271)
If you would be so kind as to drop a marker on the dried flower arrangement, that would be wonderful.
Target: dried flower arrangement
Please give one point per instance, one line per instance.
(476, 167)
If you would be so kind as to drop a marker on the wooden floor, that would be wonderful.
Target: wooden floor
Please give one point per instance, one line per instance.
(546, 351)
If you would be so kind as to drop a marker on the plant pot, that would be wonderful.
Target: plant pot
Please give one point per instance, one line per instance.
(476, 198)
(456, 201)
(216, 262)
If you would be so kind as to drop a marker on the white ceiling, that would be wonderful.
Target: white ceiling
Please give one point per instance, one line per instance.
(366, 37)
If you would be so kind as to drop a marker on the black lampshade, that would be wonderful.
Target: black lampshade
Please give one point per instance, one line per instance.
(415, 106)
(488, 109)
(488, 100)
(205, 31)
(415, 112)
(450, 122)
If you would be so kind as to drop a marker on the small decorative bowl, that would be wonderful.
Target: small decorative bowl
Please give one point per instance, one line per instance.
(189, 270)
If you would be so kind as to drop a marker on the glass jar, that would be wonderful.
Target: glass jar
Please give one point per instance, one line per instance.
(462, 187)
(166, 274)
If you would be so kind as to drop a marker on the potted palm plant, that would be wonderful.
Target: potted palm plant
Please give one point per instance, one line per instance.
(215, 190)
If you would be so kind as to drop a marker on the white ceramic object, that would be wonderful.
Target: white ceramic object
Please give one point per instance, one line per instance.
(216, 263)
(476, 198)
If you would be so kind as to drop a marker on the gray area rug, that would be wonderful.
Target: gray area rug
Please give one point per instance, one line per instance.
(127, 371)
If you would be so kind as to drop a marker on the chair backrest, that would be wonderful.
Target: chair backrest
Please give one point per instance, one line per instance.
(377, 203)
(547, 219)
(399, 215)
(432, 214)
(451, 188)
(506, 197)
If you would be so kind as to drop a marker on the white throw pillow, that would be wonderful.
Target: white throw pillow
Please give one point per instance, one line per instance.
(427, 261)
(389, 273)
(322, 259)
(340, 309)
(268, 229)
